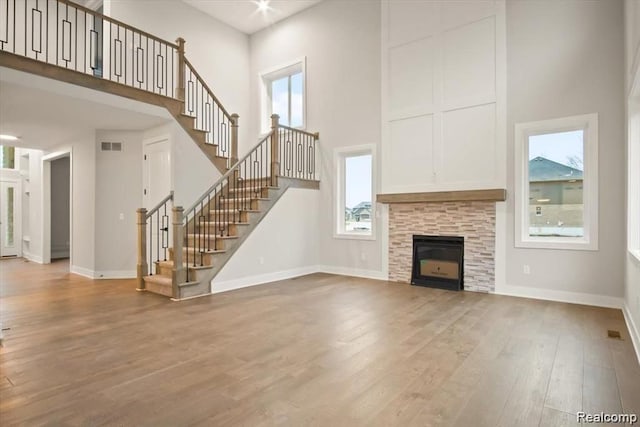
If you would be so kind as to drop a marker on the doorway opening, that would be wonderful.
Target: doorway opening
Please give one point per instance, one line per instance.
(60, 208)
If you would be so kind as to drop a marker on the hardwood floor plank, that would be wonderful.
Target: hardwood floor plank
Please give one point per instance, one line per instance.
(312, 351)
(565, 386)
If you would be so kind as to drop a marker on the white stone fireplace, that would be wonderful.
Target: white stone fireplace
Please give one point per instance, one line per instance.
(468, 214)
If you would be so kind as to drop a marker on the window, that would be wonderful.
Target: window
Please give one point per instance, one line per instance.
(633, 179)
(284, 95)
(355, 207)
(7, 157)
(557, 183)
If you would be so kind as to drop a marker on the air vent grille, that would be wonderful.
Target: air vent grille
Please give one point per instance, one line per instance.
(111, 146)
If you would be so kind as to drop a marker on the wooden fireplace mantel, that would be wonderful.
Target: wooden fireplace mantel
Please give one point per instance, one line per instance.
(493, 195)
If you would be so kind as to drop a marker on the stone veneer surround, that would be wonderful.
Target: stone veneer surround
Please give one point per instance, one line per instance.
(475, 221)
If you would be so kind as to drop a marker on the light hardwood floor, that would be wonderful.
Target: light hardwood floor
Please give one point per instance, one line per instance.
(319, 350)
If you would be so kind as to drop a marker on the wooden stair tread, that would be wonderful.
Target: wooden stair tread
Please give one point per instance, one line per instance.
(212, 236)
(159, 279)
(184, 264)
(254, 187)
(233, 210)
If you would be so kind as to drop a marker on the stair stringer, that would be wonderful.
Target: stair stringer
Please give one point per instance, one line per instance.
(203, 287)
(175, 107)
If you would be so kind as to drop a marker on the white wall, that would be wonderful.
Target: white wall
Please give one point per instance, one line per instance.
(270, 254)
(83, 205)
(443, 95)
(119, 190)
(564, 59)
(632, 264)
(60, 208)
(341, 42)
(219, 53)
(192, 173)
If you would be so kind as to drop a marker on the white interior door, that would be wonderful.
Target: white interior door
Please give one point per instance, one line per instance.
(157, 172)
(157, 184)
(10, 217)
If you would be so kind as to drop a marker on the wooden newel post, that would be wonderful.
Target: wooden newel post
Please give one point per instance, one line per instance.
(234, 138)
(233, 158)
(142, 267)
(179, 273)
(275, 155)
(180, 72)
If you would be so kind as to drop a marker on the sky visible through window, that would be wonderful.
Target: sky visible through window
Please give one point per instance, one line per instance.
(566, 148)
(280, 99)
(357, 180)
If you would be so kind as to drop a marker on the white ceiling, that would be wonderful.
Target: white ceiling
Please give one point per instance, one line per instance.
(45, 113)
(244, 14)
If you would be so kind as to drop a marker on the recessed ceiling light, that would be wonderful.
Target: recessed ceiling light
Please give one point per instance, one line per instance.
(9, 138)
(263, 5)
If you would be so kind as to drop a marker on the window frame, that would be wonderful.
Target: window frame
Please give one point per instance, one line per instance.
(588, 123)
(340, 156)
(16, 158)
(633, 178)
(276, 73)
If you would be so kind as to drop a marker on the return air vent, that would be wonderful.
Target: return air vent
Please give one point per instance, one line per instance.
(111, 146)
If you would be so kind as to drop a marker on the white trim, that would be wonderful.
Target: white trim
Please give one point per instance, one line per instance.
(634, 332)
(81, 271)
(353, 272)
(114, 274)
(275, 73)
(60, 253)
(587, 122)
(33, 258)
(633, 172)
(561, 296)
(339, 155)
(260, 279)
(45, 225)
(17, 212)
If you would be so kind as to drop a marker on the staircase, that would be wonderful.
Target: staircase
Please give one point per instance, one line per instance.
(65, 41)
(179, 251)
(183, 258)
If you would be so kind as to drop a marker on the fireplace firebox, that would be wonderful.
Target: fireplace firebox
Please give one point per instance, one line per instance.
(438, 262)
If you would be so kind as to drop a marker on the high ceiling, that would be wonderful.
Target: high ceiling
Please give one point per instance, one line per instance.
(245, 16)
(30, 108)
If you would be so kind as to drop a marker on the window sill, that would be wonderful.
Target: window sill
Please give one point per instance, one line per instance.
(558, 244)
(635, 253)
(347, 236)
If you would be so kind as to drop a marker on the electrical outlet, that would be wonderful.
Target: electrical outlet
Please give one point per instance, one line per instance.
(526, 269)
(363, 256)
(121, 216)
(261, 260)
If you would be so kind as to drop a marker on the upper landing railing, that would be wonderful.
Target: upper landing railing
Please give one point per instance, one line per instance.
(71, 36)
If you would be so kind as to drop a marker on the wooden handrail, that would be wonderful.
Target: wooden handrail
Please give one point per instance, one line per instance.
(159, 205)
(316, 135)
(117, 22)
(208, 89)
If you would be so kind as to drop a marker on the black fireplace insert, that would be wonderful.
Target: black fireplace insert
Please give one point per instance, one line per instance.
(438, 262)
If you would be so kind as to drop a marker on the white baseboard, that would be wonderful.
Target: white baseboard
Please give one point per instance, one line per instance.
(60, 254)
(81, 271)
(354, 272)
(260, 279)
(561, 296)
(633, 329)
(115, 274)
(31, 257)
